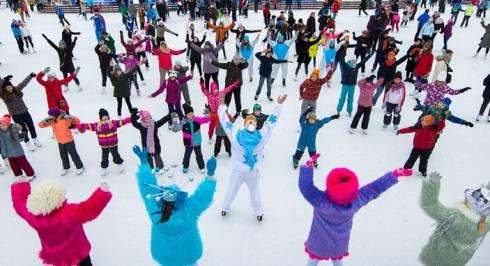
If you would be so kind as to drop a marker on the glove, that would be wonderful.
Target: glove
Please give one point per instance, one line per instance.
(468, 124)
(337, 116)
(76, 71)
(312, 160)
(183, 50)
(435, 176)
(141, 154)
(211, 166)
(398, 132)
(8, 77)
(402, 172)
(33, 75)
(134, 110)
(177, 35)
(105, 187)
(46, 70)
(465, 89)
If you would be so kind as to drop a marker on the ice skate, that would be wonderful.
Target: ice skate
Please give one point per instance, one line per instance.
(37, 143)
(203, 171)
(295, 77)
(79, 88)
(80, 171)
(143, 83)
(259, 218)
(223, 213)
(103, 89)
(475, 55)
(256, 97)
(120, 168)
(138, 93)
(385, 126)
(185, 170)
(351, 131)
(250, 79)
(478, 118)
(488, 118)
(270, 99)
(395, 127)
(30, 178)
(29, 146)
(364, 132)
(103, 172)
(64, 172)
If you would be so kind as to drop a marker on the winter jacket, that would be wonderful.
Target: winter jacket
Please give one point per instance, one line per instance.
(10, 142)
(281, 49)
(161, 29)
(121, 84)
(130, 49)
(363, 44)
(173, 89)
(99, 23)
(349, 71)
(14, 102)
(64, 55)
(448, 30)
(366, 91)
(435, 92)
(412, 53)
(387, 71)
(61, 127)
(246, 51)
(165, 58)
(195, 55)
(59, 11)
(109, 41)
(332, 223)
(66, 36)
(485, 40)
(424, 64)
(63, 239)
(213, 99)
(456, 237)
(239, 35)
(427, 29)
(311, 24)
(106, 133)
(422, 19)
(53, 90)
(233, 71)
(104, 58)
(303, 45)
(395, 88)
(191, 130)
(486, 91)
(221, 31)
(209, 55)
(129, 63)
(265, 68)
(238, 152)
(307, 138)
(310, 90)
(425, 137)
(144, 131)
(177, 241)
(441, 65)
(16, 30)
(469, 10)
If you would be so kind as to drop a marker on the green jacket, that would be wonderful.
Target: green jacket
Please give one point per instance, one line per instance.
(456, 237)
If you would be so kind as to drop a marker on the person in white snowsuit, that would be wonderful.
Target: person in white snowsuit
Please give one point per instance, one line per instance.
(247, 146)
(280, 47)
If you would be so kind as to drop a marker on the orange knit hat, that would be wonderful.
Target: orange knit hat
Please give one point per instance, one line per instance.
(248, 119)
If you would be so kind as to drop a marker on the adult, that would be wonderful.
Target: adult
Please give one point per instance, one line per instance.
(165, 59)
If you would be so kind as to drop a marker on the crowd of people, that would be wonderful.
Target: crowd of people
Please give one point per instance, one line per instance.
(173, 212)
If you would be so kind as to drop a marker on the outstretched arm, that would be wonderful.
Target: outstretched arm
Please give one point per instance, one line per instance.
(26, 81)
(19, 193)
(91, 208)
(429, 198)
(51, 43)
(160, 89)
(163, 120)
(374, 189)
(202, 197)
(306, 186)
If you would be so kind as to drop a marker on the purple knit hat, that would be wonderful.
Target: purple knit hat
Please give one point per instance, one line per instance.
(54, 112)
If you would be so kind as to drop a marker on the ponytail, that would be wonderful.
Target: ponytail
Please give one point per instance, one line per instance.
(482, 225)
(166, 211)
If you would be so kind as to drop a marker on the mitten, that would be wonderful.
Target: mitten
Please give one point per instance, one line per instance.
(312, 160)
(435, 176)
(402, 172)
(336, 116)
(211, 166)
(468, 124)
(141, 154)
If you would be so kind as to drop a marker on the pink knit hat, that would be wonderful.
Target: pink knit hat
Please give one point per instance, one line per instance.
(145, 115)
(342, 186)
(6, 119)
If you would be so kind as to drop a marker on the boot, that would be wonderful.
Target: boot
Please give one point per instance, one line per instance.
(259, 218)
(295, 163)
(29, 146)
(223, 213)
(64, 172)
(364, 131)
(79, 88)
(37, 143)
(284, 82)
(478, 118)
(272, 81)
(103, 171)
(103, 89)
(351, 131)
(120, 168)
(185, 170)
(269, 98)
(138, 93)
(80, 171)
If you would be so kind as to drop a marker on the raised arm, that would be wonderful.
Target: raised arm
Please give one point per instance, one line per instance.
(308, 189)
(270, 123)
(163, 120)
(91, 208)
(19, 193)
(429, 198)
(220, 65)
(374, 189)
(202, 198)
(176, 52)
(162, 87)
(26, 81)
(134, 121)
(147, 184)
(225, 122)
(197, 48)
(231, 87)
(68, 79)
(51, 43)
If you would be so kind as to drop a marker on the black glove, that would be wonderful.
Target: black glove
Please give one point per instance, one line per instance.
(336, 116)
(177, 35)
(33, 75)
(121, 32)
(134, 110)
(183, 50)
(468, 124)
(465, 89)
(9, 77)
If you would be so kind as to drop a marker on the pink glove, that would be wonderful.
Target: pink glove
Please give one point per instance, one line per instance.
(312, 159)
(402, 172)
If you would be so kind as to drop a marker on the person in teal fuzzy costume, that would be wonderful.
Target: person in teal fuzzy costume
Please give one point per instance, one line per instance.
(175, 237)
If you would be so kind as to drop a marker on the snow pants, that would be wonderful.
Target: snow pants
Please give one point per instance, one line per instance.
(19, 164)
(213, 123)
(154, 160)
(25, 120)
(363, 112)
(251, 179)
(217, 145)
(347, 92)
(423, 154)
(116, 157)
(307, 104)
(175, 107)
(71, 149)
(284, 70)
(236, 93)
(392, 109)
(98, 35)
(187, 156)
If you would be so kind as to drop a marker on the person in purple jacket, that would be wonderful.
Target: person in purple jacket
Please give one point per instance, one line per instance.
(334, 209)
(172, 84)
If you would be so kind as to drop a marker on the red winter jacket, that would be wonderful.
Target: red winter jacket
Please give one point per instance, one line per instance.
(165, 59)
(424, 65)
(336, 7)
(425, 138)
(53, 90)
(63, 240)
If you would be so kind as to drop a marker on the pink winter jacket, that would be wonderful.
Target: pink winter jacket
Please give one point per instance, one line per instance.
(367, 91)
(213, 98)
(63, 240)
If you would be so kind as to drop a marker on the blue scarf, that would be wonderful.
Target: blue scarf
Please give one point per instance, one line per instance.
(249, 141)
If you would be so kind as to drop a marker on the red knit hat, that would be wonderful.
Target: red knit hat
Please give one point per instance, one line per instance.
(342, 186)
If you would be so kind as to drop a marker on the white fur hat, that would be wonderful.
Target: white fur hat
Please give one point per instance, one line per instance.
(172, 74)
(479, 199)
(442, 76)
(46, 197)
(52, 74)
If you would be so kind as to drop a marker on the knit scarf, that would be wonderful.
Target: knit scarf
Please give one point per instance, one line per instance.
(150, 132)
(249, 141)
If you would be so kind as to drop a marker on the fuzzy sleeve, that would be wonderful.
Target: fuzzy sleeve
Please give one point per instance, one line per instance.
(146, 181)
(374, 189)
(270, 124)
(311, 193)
(202, 197)
(19, 193)
(429, 200)
(91, 208)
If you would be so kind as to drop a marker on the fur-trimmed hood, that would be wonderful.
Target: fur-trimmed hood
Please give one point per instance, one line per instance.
(46, 198)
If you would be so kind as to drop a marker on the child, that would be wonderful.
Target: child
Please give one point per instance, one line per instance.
(149, 136)
(395, 20)
(423, 142)
(367, 88)
(335, 209)
(10, 138)
(407, 12)
(174, 216)
(309, 129)
(61, 123)
(191, 130)
(260, 117)
(26, 34)
(173, 97)
(265, 71)
(181, 71)
(309, 90)
(213, 96)
(106, 131)
(59, 224)
(246, 49)
(131, 62)
(393, 101)
(486, 99)
(221, 136)
(460, 230)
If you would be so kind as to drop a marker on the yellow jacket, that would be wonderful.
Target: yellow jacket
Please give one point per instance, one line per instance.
(313, 50)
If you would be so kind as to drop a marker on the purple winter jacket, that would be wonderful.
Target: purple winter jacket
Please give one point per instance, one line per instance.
(332, 223)
(173, 89)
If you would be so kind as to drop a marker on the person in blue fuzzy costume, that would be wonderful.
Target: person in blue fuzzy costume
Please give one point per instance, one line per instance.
(175, 237)
(310, 126)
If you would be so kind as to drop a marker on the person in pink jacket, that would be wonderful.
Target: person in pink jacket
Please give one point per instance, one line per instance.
(213, 102)
(165, 59)
(59, 224)
(367, 88)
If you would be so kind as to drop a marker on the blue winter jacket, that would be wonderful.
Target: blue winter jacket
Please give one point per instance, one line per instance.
(16, 30)
(176, 242)
(309, 131)
(9, 148)
(99, 23)
(59, 11)
(422, 19)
